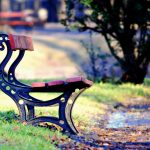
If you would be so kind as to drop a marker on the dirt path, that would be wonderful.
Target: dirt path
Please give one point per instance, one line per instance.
(125, 126)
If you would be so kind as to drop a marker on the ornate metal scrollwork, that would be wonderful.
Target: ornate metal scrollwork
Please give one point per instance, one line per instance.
(20, 94)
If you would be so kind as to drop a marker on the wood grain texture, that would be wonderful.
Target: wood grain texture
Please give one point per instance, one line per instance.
(54, 83)
(79, 80)
(38, 84)
(18, 42)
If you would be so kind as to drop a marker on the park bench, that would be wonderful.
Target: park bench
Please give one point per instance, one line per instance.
(69, 89)
(14, 19)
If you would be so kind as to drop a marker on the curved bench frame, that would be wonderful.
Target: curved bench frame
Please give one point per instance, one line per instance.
(20, 93)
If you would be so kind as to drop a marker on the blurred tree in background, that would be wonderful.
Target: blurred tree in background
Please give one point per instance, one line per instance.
(125, 25)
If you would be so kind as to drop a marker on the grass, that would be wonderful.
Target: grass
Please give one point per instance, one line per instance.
(91, 104)
(16, 136)
(109, 93)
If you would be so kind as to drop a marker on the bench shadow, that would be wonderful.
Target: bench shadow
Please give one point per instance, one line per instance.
(145, 106)
(8, 116)
(11, 117)
(108, 144)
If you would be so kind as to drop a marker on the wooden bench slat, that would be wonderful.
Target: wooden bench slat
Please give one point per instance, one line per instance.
(20, 42)
(74, 79)
(53, 86)
(55, 83)
(61, 86)
(79, 79)
(38, 84)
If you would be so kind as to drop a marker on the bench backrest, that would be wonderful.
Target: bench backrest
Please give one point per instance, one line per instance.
(18, 42)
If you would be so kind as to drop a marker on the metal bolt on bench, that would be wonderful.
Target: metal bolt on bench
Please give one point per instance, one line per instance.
(70, 88)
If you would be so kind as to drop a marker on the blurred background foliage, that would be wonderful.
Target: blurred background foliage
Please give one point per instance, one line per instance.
(114, 44)
(124, 25)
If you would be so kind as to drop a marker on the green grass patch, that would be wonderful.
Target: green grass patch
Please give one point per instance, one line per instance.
(110, 93)
(14, 135)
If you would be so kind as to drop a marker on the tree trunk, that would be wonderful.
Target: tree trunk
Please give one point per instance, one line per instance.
(135, 71)
(134, 75)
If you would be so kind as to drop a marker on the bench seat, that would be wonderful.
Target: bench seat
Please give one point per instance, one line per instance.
(60, 85)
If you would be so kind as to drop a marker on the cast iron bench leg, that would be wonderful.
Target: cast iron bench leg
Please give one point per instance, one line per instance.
(31, 112)
(65, 111)
(65, 102)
